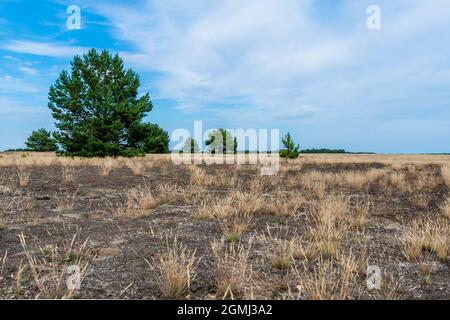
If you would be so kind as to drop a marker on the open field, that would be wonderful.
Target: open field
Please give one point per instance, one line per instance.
(146, 228)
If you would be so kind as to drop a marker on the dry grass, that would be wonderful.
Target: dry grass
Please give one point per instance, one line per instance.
(222, 209)
(234, 226)
(105, 166)
(445, 208)
(425, 181)
(445, 170)
(282, 254)
(248, 203)
(6, 205)
(330, 217)
(231, 268)
(176, 270)
(23, 173)
(314, 183)
(136, 166)
(199, 177)
(6, 183)
(358, 180)
(420, 200)
(64, 203)
(358, 215)
(3, 260)
(50, 268)
(67, 175)
(330, 279)
(398, 181)
(140, 201)
(141, 198)
(430, 235)
(284, 204)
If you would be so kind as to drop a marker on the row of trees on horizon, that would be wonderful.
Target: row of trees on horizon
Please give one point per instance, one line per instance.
(98, 113)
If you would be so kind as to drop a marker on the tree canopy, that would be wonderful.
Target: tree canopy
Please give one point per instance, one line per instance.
(291, 150)
(41, 140)
(190, 146)
(97, 110)
(221, 140)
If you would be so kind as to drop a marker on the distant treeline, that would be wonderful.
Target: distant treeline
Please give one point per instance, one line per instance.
(332, 151)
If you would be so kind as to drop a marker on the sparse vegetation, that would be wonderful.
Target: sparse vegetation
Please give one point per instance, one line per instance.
(308, 232)
(176, 268)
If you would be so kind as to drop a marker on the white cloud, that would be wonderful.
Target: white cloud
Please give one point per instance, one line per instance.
(28, 71)
(9, 84)
(43, 48)
(272, 55)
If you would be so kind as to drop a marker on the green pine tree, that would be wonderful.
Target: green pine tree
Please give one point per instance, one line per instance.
(190, 146)
(291, 150)
(221, 139)
(97, 110)
(41, 140)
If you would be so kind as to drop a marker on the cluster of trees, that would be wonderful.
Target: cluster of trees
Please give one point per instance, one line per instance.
(218, 140)
(97, 112)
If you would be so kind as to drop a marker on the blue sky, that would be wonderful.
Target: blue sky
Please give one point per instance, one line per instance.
(311, 67)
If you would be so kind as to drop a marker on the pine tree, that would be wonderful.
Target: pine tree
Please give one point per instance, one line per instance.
(221, 139)
(97, 110)
(291, 150)
(191, 146)
(41, 140)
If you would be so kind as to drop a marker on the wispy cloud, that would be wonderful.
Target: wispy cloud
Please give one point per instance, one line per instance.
(10, 84)
(43, 49)
(272, 55)
(29, 71)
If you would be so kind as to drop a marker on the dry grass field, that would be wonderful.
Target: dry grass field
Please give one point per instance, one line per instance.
(148, 229)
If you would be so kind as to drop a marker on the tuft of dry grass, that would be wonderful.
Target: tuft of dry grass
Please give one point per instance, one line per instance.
(141, 198)
(64, 203)
(398, 181)
(105, 166)
(139, 203)
(445, 208)
(50, 268)
(199, 177)
(314, 184)
(222, 209)
(136, 166)
(445, 170)
(176, 269)
(430, 235)
(357, 217)
(231, 268)
(330, 279)
(23, 173)
(67, 175)
(6, 183)
(248, 203)
(284, 204)
(330, 217)
(281, 256)
(420, 200)
(234, 226)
